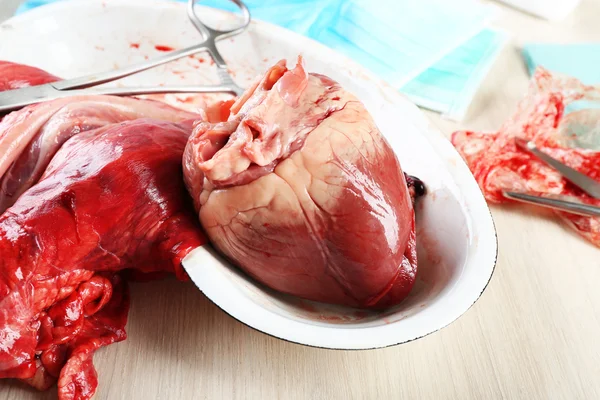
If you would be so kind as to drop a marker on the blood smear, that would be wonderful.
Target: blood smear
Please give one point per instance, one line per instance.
(163, 48)
(134, 45)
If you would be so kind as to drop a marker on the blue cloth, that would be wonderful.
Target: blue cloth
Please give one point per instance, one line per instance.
(581, 61)
(450, 84)
(396, 39)
(432, 50)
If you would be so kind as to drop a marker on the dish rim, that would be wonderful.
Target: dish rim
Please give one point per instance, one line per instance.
(438, 142)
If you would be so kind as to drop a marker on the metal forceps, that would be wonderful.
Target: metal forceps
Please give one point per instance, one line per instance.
(557, 202)
(15, 99)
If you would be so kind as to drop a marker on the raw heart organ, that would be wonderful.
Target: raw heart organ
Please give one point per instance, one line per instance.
(300, 189)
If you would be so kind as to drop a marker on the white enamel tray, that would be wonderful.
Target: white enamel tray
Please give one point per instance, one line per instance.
(455, 232)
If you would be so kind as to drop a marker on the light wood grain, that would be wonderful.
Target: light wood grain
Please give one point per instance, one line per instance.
(532, 335)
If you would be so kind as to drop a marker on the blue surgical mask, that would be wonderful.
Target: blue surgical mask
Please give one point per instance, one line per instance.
(398, 39)
(435, 51)
(450, 84)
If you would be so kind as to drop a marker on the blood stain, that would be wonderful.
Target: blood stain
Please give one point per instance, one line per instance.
(160, 47)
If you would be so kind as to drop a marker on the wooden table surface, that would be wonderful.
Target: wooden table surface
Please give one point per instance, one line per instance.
(534, 334)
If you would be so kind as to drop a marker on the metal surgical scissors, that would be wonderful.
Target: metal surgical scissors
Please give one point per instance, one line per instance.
(18, 98)
(558, 202)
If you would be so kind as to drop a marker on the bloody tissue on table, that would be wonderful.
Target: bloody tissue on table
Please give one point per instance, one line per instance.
(559, 116)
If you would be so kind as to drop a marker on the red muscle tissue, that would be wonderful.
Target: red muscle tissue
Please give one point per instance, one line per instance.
(498, 164)
(111, 199)
(17, 76)
(30, 137)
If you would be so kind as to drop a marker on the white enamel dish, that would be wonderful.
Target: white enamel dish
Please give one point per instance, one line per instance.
(455, 232)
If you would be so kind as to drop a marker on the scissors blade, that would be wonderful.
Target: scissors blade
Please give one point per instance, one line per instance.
(92, 80)
(582, 181)
(18, 98)
(555, 202)
(11, 100)
(140, 90)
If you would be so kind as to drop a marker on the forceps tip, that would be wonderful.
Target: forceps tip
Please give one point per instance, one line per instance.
(524, 143)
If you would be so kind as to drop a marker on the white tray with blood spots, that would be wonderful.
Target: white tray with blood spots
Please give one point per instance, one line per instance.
(317, 235)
